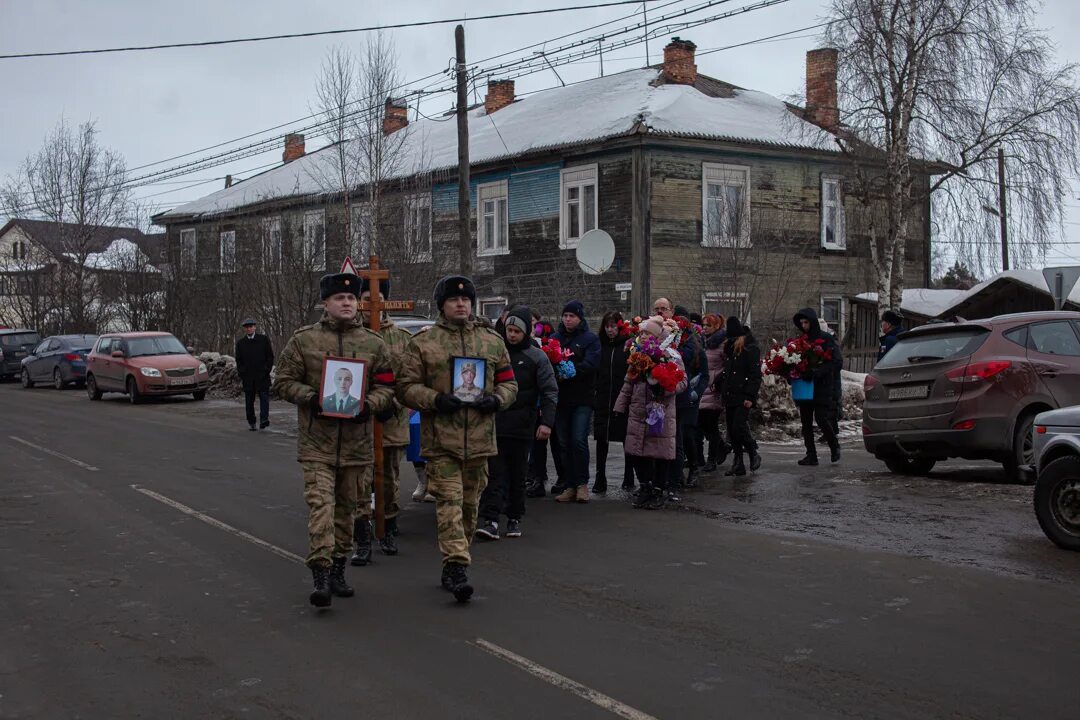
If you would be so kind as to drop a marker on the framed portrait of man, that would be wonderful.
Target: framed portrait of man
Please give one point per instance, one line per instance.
(470, 374)
(342, 387)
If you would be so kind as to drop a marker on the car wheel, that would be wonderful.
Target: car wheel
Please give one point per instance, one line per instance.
(199, 394)
(133, 391)
(92, 391)
(26, 381)
(1023, 449)
(1057, 501)
(910, 466)
(57, 379)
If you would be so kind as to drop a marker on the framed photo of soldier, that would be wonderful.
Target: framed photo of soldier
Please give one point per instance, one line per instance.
(469, 376)
(342, 386)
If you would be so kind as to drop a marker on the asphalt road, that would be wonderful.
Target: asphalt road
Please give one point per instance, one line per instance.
(149, 568)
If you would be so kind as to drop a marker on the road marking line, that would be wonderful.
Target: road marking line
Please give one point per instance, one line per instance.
(62, 456)
(281, 552)
(561, 681)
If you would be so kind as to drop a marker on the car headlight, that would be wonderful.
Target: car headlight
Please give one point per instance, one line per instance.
(150, 372)
(202, 368)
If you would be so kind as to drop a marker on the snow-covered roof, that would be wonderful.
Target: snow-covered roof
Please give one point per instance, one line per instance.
(121, 255)
(588, 111)
(927, 302)
(1031, 278)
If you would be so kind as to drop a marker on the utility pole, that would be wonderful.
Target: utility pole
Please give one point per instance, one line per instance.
(1001, 210)
(464, 236)
(645, 15)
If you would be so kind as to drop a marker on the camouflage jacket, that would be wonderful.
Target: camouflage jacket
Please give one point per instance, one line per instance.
(396, 430)
(342, 443)
(427, 370)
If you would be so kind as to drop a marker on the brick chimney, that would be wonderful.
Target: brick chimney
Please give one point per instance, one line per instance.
(822, 107)
(679, 64)
(294, 147)
(500, 93)
(395, 116)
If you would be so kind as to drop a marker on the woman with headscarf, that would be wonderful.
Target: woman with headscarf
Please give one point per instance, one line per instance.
(712, 406)
(651, 447)
(609, 381)
(739, 385)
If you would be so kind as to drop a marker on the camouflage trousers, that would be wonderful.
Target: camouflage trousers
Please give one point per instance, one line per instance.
(392, 457)
(456, 486)
(330, 494)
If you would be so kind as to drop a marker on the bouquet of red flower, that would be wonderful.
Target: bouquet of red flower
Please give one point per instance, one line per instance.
(797, 357)
(649, 358)
(559, 357)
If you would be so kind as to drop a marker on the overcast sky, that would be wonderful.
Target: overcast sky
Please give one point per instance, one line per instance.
(153, 105)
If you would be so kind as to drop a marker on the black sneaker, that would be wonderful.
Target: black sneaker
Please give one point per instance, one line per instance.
(834, 454)
(264, 424)
(557, 488)
(251, 427)
(809, 460)
(456, 581)
(488, 530)
(535, 489)
(513, 528)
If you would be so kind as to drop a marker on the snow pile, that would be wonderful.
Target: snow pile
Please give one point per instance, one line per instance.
(779, 418)
(224, 382)
(928, 302)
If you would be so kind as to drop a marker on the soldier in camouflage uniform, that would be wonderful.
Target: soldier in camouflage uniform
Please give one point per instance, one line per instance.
(395, 438)
(336, 454)
(456, 439)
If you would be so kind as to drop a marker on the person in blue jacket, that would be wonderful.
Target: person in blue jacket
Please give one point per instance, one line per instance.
(891, 326)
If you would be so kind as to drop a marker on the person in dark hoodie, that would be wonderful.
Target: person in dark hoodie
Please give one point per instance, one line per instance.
(686, 406)
(574, 414)
(825, 376)
(516, 427)
(739, 384)
(891, 327)
(609, 381)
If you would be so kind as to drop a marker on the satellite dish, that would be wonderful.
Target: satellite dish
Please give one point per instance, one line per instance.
(595, 252)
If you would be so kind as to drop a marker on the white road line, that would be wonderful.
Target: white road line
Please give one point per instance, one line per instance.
(218, 524)
(55, 454)
(561, 681)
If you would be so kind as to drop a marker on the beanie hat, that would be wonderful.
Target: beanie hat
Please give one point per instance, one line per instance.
(521, 318)
(681, 311)
(335, 283)
(384, 287)
(453, 286)
(893, 318)
(575, 307)
(734, 327)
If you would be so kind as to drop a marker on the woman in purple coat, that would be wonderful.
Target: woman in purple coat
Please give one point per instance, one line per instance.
(651, 453)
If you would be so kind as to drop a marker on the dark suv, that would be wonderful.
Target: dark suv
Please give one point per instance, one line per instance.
(14, 346)
(971, 389)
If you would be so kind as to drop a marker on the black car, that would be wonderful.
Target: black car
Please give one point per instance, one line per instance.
(15, 344)
(57, 360)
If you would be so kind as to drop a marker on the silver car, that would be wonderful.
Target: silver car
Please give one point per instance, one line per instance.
(1057, 475)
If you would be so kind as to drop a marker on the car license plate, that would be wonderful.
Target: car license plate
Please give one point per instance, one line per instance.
(180, 381)
(911, 392)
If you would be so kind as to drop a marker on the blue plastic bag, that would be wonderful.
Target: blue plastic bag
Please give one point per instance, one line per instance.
(802, 390)
(412, 453)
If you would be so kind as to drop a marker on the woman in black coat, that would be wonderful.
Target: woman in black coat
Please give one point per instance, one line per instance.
(609, 381)
(739, 386)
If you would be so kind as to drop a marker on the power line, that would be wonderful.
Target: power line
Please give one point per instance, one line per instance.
(289, 36)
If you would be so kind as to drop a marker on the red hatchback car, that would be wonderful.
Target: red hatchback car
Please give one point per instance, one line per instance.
(971, 389)
(144, 364)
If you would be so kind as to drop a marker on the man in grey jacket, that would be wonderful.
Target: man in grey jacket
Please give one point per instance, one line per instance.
(516, 427)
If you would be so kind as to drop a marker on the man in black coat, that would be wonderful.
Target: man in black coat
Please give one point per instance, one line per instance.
(891, 327)
(254, 360)
(824, 376)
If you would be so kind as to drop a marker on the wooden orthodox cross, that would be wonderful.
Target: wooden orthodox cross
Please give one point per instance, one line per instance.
(374, 308)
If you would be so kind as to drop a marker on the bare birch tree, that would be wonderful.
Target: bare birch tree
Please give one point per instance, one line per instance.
(951, 81)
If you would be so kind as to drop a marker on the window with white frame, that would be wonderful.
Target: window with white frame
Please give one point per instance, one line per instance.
(362, 231)
(725, 205)
(578, 209)
(725, 304)
(272, 244)
(492, 221)
(833, 313)
(833, 232)
(492, 308)
(315, 240)
(227, 248)
(418, 227)
(188, 250)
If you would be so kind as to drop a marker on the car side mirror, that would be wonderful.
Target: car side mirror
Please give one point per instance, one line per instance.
(191, 350)
(118, 353)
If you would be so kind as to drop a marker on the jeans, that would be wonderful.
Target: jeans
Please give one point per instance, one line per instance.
(505, 491)
(262, 388)
(738, 425)
(572, 427)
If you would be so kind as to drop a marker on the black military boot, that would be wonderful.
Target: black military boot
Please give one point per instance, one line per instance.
(738, 469)
(362, 540)
(455, 579)
(755, 460)
(834, 451)
(691, 481)
(643, 495)
(338, 586)
(320, 596)
(809, 460)
(388, 542)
